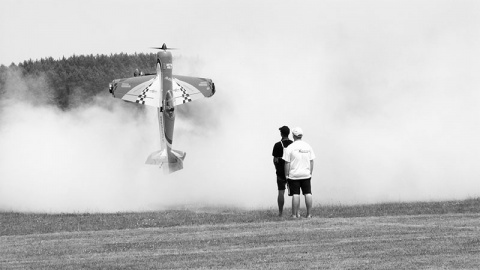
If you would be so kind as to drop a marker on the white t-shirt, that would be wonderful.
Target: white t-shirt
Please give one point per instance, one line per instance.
(299, 154)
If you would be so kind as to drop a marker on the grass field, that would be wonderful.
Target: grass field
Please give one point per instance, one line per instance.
(435, 235)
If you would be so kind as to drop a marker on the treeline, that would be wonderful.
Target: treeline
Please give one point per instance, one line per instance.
(84, 74)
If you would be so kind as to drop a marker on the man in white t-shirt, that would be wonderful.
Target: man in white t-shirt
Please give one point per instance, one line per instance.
(298, 158)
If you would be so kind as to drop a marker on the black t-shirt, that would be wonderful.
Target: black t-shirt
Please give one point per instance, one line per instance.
(278, 152)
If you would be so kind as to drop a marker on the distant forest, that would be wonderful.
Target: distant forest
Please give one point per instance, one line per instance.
(89, 73)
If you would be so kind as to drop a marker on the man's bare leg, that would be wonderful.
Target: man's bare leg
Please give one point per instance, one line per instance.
(295, 205)
(308, 203)
(281, 201)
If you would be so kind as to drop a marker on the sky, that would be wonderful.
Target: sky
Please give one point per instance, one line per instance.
(385, 91)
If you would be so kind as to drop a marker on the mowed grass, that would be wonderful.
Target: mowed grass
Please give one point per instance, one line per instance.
(435, 235)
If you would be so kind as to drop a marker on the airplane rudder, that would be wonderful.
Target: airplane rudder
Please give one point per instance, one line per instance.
(176, 166)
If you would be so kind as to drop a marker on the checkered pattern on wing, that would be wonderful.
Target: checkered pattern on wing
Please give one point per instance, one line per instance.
(141, 97)
(185, 95)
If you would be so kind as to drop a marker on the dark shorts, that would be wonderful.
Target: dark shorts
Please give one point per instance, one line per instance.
(303, 184)
(281, 183)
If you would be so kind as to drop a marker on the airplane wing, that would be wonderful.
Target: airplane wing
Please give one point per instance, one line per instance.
(142, 89)
(187, 89)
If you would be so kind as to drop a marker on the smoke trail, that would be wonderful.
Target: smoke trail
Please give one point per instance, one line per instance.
(53, 160)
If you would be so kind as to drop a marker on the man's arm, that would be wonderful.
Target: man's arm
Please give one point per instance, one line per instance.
(311, 167)
(275, 160)
(275, 153)
(287, 169)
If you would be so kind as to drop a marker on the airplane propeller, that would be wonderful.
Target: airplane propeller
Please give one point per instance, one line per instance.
(164, 47)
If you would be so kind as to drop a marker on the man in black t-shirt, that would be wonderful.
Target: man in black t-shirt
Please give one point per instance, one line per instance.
(279, 166)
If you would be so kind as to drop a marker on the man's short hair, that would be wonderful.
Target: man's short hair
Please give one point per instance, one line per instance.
(285, 131)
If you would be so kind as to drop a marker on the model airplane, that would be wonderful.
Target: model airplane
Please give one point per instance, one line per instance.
(163, 91)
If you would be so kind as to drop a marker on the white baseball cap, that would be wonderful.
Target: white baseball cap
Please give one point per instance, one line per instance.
(297, 132)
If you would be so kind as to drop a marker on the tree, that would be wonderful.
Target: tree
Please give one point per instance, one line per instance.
(84, 75)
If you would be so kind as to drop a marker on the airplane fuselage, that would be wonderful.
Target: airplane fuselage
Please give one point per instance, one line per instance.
(163, 91)
(167, 111)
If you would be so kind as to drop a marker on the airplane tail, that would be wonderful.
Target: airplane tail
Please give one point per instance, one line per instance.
(173, 161)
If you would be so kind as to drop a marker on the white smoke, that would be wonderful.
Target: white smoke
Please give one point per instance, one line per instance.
(91, 158)
(80, 160)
